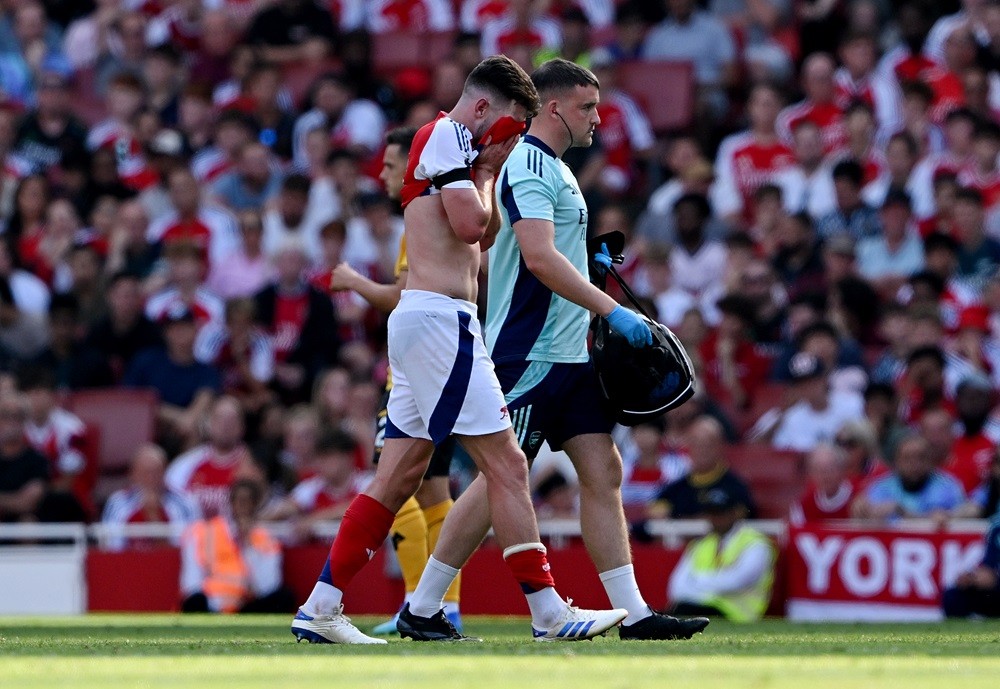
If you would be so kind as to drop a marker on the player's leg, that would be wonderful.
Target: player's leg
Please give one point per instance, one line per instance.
(583, 432)
(435, 499)
(363, 529)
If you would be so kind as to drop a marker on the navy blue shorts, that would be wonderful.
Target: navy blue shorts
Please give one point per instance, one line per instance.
(554, 405)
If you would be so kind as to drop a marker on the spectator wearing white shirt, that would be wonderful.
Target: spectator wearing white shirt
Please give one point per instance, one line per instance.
(817, 414)
(888, 259)
(972, 15)
(807, 186)
(355, 124)
(693, 35)
(698, 264)
(298, 214)
(146, 500)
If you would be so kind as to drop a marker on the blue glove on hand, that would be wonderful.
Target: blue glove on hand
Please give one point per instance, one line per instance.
(603, 260)
(630, 325)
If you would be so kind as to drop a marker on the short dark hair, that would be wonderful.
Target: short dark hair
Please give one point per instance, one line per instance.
(850, 170)
(987, 129)
(936, 241)
(124, 274)
(502, 76)
(402, 137)
(336, 441)
(36, 378)
(296, 183)
(699, 201)
(64, 302)
(919, 89)
(558, 74)
(883, 390)
(822, 328)
(969, 194)
(928, 352)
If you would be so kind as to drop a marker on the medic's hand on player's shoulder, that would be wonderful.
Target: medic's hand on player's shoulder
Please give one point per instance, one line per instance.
(631, 326)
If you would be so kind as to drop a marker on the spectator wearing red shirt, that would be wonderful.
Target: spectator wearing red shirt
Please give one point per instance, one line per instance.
(329, 492)
(819, 106)
(733, 370)
(522, 25)
(384, 16)
(922, 385)
(859, 81)
(116, 133)
(146, 500)
(972, 451)
(830, 492)
(748, 160)
(983, 173)
(185, 287)
(301, 322)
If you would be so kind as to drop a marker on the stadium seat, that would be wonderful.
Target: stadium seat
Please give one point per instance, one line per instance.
(86, 480)
(767, 396)
(124, 418)
(392, 52)
(665, 89)
(299, 77)
(776, 477)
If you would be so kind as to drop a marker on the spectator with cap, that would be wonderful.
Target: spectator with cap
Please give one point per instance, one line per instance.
(146, 499)
(693, 35)
(915, 488)
(889, 258)
(816, 412)
(977, 592)
(185, 386)
(732, 367)
(680, 499)
(727, 573)
(830, 491)
(851, 214)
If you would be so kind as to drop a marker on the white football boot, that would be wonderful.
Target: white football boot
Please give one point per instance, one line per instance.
(575, 624)
(329, 629)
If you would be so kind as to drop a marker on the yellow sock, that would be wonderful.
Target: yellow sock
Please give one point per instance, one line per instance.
(434, 516)
(409, 538)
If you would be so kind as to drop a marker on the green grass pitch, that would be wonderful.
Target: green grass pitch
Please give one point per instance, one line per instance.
(151, 651)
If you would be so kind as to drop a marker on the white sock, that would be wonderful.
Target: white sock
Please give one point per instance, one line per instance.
(324, 599)
(624, 593)
(546, 607)
(428, 598)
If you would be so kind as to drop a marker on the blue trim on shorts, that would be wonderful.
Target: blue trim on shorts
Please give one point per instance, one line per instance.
(449, 405)
(392, 431)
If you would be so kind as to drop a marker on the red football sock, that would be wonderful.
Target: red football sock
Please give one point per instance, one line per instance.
(364, 528)
(529, 566)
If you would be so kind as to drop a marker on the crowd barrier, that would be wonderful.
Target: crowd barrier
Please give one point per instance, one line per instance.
(830, 572)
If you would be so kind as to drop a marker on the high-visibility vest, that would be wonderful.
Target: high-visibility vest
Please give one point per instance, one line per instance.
(739, 606)
(227, 577)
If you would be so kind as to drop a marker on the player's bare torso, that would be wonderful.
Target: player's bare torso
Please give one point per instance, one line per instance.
(438, 260)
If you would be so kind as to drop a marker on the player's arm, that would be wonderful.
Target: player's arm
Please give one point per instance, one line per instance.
(536, 239)
(470, 209)
(383, 297)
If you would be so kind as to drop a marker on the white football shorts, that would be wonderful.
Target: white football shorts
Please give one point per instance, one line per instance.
(442, 376)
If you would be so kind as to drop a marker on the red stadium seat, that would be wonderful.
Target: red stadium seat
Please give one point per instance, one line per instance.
(665, 89)
(776, 477)
(124, 418)
(392, 52)
(299, 77)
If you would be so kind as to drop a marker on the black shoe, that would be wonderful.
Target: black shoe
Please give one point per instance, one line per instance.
(659, 627)
(436, 628)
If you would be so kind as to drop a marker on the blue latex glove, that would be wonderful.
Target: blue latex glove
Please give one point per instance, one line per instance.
(603, 260)
(630, 325)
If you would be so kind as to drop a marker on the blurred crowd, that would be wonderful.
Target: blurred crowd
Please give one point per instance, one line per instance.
(189, 185)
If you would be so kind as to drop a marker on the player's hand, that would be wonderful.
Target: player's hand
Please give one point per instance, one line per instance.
(493, 155)
(342, 278)
(630, 325)
(603, 260)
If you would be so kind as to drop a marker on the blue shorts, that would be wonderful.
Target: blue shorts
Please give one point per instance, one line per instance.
(552, 402)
